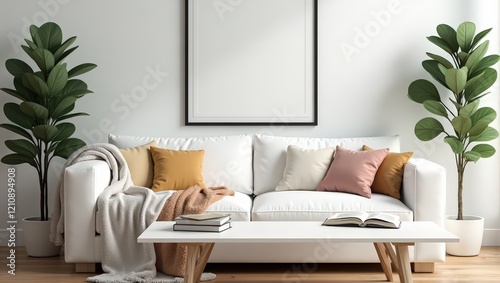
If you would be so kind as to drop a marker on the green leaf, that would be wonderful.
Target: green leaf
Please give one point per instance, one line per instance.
(18, 130)
(65, 130)
(463, 57)
(422, 90)
(487, 135)
(71, 116)
(76, 88)
(461, 125)
(23, 147)
(46, 133)
(51, 36)
(31, 44)
(477, 55)
(24, 91)
(469, 109)
(449, 35)
(34, 35)
(472, 156)
(465, 34)
(52, 147)
(485, 150)
(481, 84)
(57, 79)
(17, 68)
(456, 145)
(65, 54)
(35, 111)
(428, 128)
(473, 79)
(481, 119)
(441, 60)
(485, 63)
(36, 84)
(479, 36)
(16, 116)
(457, 105)
(44, 59)
(81, 69)
(27, 50)
(435, 107)
(63, 47)
(66, 147)
(441, 43)
(15, 159)
(14, 93)
(62, 106)
(456, 79)
(434, 68)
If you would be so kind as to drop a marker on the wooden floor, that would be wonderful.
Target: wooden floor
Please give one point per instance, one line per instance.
(482, 268)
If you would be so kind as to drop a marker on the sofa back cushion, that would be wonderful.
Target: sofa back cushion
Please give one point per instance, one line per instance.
(227, 160)
(270, 154)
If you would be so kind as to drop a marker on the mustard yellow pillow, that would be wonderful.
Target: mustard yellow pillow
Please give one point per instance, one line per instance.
(177, 169)
(390, 173)
(140, 164)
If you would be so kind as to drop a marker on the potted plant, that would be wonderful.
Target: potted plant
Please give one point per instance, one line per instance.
(47, 99)
(467, 77)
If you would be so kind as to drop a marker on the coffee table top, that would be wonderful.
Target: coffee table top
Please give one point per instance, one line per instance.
(298, 232)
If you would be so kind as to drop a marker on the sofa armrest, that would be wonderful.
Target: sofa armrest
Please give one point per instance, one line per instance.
(424, 192)
(83, 183)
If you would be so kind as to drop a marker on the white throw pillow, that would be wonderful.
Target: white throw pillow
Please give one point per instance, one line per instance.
(305, 168)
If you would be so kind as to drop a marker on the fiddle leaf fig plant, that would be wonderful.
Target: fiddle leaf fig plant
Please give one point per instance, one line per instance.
(47, 99)
(466, 75)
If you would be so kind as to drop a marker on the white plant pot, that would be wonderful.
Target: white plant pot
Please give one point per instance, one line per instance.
(36, 238)
(470, 231)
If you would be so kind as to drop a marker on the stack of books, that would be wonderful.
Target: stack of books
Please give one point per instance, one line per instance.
(205, 222)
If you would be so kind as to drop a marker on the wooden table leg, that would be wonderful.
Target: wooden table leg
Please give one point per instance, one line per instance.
(192, 257)
(384, 260)
(197, 257)
(206, 250)
(405, 275)
(392, 255)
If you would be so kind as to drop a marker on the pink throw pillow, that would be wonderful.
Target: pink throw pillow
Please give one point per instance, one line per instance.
(353, 171)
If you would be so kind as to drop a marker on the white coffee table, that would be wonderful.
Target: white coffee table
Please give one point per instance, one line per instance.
(200, 244)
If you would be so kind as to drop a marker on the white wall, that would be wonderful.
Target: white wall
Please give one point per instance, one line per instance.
(362, 93)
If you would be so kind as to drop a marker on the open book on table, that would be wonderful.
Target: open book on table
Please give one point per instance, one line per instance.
(363, 219)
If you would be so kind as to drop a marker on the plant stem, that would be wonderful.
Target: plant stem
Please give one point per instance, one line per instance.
(45, 185)
(460, 172)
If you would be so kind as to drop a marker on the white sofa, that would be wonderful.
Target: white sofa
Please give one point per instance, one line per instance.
(252, 166)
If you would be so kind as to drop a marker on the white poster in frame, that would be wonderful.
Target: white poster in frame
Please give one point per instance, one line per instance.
(251, 62)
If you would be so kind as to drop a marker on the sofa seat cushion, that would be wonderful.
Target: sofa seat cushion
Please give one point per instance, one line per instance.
(317, 205)
(239, 206)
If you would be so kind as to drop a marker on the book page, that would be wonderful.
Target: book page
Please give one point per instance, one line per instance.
(385, 217)
(361, 215)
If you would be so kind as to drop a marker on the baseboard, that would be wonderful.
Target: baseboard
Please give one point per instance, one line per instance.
(5, 236)
(491, 237)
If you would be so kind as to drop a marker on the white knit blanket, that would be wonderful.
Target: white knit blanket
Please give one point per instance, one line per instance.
(126, 211)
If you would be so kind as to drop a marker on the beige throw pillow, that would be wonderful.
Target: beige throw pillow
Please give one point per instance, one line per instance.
(305, 168)
(140, 164)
